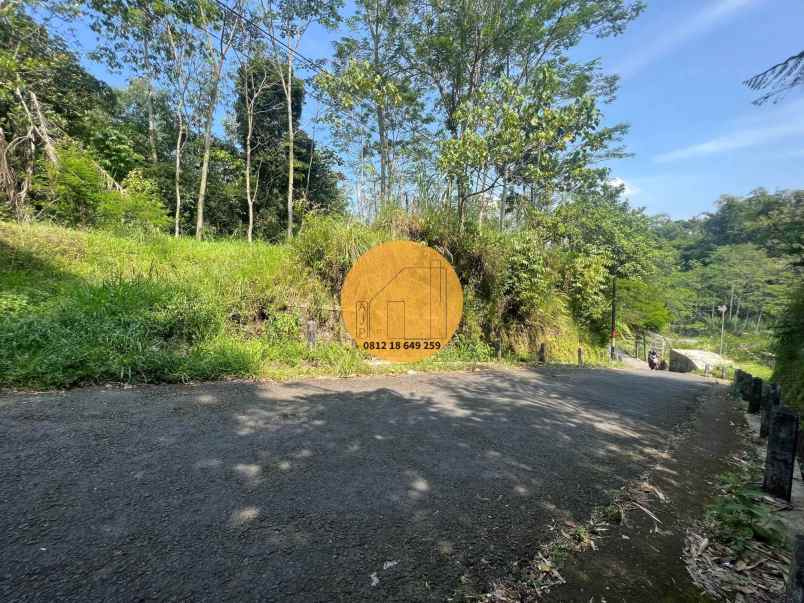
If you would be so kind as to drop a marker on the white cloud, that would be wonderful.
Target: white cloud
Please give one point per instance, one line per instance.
(629, 189)
(756, 130)
(703, 21)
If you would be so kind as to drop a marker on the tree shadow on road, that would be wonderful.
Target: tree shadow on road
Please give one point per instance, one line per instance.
(403, 488)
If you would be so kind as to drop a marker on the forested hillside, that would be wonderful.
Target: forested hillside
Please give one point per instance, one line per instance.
(462, 126)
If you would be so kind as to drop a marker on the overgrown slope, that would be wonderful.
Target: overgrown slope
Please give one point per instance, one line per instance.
(88, 306)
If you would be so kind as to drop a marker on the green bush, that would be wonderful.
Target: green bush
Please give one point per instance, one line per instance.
(91, 306)
(73, 189)
(137, 207)
(330, 245)
(464, 348)
(119, 330)
(739, 515)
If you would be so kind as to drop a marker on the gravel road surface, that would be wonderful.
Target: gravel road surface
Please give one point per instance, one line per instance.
(386, 488)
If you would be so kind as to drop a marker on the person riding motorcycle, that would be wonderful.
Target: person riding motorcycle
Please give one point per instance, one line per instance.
(653, 360)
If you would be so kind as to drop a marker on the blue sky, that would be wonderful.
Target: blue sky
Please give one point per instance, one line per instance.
(694, 133)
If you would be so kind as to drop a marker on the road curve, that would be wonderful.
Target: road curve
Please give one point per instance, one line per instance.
(386, 488)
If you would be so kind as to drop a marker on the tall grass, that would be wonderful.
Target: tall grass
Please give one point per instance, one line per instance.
(80, 307)
(84, 306)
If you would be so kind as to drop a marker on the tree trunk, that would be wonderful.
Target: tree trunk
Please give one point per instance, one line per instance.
(613, 317)
(383, 136)
(502, 200)
(177, 175)
(249, 198)
(202, 188)
(41, 128)
(289, 95)
(149, 98)
(731, 300)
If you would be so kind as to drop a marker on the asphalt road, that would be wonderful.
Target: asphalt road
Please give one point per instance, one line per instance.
(393, 488)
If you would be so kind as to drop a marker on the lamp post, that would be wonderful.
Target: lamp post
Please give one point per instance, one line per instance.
(722, 310)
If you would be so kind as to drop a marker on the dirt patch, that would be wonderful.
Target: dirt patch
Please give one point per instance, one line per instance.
(643, 556)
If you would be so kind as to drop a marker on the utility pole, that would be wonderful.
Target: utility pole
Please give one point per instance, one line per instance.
(613, 316)
(722, 325)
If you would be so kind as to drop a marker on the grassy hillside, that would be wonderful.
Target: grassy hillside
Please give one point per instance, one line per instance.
(88, 306)
(81, 307)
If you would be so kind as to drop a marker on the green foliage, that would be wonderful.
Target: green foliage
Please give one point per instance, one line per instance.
(528, 280)
(114, 147)
(586, 280)
(644, 305)
(789, 348)
(739, 516)
(119, 330)
(74, 188)
(746, 255)
(548, 141)
(138, 207)
(329, 246)
(93, 307)
(465, 348)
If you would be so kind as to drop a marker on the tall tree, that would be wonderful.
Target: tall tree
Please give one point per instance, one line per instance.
(180, 55)
(287, 21)
(315, 180)
(458, 47)
(369, 78)
(227, 26)
(253, 82)
(130, 29)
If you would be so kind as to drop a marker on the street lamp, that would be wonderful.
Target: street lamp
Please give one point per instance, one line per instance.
(722, 310)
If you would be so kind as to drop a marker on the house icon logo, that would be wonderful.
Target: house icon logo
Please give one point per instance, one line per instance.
(402, 301)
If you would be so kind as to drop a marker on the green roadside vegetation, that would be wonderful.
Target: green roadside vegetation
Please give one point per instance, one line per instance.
(751, 352)
(91, 306)
(747, 257)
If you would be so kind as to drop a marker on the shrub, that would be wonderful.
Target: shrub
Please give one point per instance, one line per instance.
(137, 207)
(740, 515)
(73, 189)
(330, 245)
(118, 330)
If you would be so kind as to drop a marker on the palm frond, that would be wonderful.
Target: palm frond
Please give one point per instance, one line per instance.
(779, 78)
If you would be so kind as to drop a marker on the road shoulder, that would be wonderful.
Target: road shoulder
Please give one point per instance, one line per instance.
(644, 554)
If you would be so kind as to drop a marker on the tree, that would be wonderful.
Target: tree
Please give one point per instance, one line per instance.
(253, 81)
(369, 79)
(287, 21)
(180, 56)
(228, 27)
(527, 134)
(458, 48)
(45, 94)
(130, 28)
(263, 119)
(603, 225)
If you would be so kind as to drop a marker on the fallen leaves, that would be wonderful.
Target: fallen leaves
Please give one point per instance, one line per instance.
(757, 574)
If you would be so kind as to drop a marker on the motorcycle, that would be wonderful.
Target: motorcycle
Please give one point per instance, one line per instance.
(653, 360)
